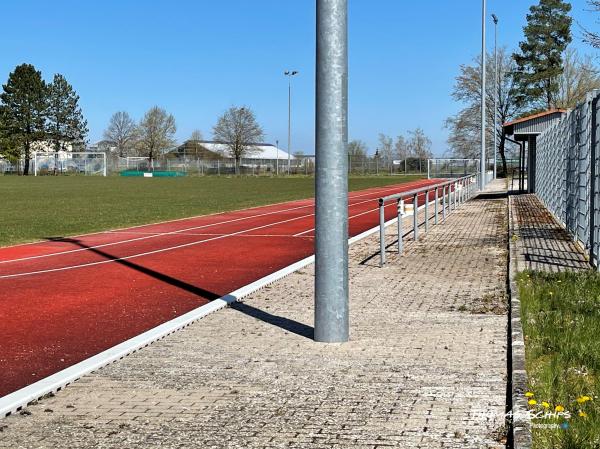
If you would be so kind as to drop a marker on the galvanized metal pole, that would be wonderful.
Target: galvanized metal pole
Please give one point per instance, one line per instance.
(483, 121)
(444, 204)
(381, 233)
(289, 150)
(416, 216)
(426, 210)
(496, 86)
(400, 232)
(435, 221)
(331, 239)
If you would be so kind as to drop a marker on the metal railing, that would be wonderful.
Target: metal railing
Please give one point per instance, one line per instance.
(451, 194)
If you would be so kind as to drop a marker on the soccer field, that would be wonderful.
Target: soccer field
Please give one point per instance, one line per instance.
(36, 208)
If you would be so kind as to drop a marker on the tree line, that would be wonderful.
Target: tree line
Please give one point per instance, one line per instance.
(545, 73)
(415, 144)
(33, 111)
(237, 128)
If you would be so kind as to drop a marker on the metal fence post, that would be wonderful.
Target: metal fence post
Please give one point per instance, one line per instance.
(444, 204)
(331, 217)
(426, 210)
(455, 195)
(435, 220)
(415, 216)
(381, 233)
(400, 213)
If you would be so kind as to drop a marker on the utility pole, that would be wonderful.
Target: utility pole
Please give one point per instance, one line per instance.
(496, 89)
(482, 160)
(331, 238)
(289, 74)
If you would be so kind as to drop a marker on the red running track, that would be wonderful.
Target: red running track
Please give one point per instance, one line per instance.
(67, 299)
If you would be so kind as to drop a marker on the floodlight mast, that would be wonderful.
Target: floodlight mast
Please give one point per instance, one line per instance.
(290, 74)
(331, 217)
(496, 93)
(483, 111)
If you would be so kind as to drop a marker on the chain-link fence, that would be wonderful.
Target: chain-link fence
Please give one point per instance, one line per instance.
(566, 173)
(193, 166)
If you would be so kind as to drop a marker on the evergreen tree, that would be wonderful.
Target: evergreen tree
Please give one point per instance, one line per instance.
(23, 110)
(539, 63)
(66, 124)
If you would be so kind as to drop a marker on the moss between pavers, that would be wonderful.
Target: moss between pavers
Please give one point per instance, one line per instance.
(561, 323)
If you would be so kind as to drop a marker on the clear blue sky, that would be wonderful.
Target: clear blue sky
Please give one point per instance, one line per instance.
(197, 58)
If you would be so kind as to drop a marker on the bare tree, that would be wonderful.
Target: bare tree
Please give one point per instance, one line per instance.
(465, 126)
(195, 139)
(402, 148)
(121, 132)
(156, 132)
(579, 77)
(590, 37)
(357, 149)
(238, 129)
(386, 149)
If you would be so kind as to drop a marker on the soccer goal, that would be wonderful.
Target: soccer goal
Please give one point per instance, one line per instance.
(451, 168)
(69, 163)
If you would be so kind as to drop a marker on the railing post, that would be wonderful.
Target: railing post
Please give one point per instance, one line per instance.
(435, 220)
(400, 214)
(415, 216)
(455, 195)
(444, 204)
(381, 233)
(426, 210)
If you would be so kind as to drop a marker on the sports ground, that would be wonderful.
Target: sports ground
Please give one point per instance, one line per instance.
(66, 299)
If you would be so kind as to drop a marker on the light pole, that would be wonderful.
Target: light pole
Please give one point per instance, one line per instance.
(496, 89)
(289, 74)
(331, 218)
(482, 160)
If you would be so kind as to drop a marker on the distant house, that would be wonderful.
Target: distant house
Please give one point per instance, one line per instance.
(208, 149)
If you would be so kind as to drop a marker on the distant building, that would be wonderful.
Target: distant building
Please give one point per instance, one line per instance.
(207, 149)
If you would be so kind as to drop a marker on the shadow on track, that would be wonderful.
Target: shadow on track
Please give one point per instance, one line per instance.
(278, 321)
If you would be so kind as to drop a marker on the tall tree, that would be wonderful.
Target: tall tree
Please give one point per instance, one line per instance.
(579, 77)
(195, 139)
(465, 126)
(23, 109)
(65, 123)
(401, 148)
(122, 132)
(386, 153)
(238, 129)
(539, 63)
(156, 133)
(420, 144)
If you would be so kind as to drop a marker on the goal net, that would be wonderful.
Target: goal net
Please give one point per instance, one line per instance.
(451, 168)
(67, 163)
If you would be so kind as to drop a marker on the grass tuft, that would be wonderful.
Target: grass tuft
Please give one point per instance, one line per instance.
(561, 322)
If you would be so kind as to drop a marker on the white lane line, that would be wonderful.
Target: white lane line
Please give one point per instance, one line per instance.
(147, 253)
(156, 235)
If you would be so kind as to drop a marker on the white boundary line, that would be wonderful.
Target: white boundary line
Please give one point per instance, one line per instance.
(15, 401)
(160, 234)
(173, 220)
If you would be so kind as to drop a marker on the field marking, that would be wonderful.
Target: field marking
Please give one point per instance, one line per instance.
(155, 235)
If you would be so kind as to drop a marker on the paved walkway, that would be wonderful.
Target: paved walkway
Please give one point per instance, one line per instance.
(542, 243)
(425, 367)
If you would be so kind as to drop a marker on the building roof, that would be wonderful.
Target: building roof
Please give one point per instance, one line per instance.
(533, 125)
(534, 116)
(258, 151)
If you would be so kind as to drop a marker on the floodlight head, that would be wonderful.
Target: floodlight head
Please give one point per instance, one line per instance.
(295, 72)
(495, 18)
(286, 72)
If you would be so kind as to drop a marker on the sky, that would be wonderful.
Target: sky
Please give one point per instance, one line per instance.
(197, 58)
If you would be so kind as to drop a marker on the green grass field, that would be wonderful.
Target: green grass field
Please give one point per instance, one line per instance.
(561, 321)
(34, 208)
